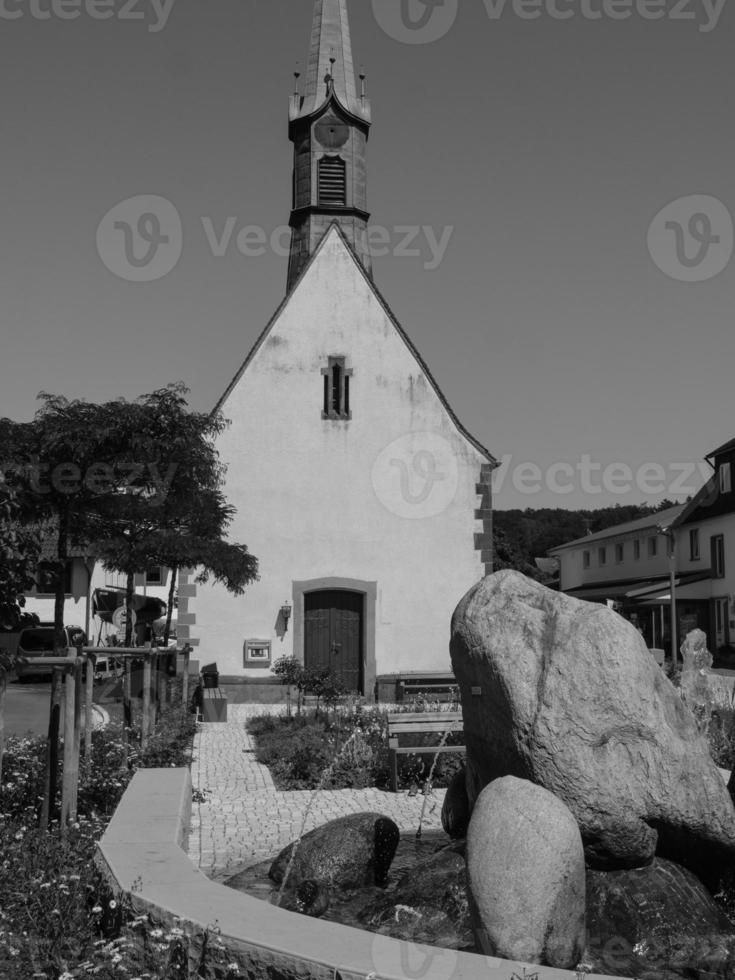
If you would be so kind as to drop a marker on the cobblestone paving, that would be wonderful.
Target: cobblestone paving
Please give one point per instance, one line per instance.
(244, 819)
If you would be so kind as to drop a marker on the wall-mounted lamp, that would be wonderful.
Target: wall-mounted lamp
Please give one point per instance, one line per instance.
(286, 613)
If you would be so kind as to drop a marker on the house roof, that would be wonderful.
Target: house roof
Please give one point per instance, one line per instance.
(660, 518)
(334, 227)
(635, 588)
(721, 449)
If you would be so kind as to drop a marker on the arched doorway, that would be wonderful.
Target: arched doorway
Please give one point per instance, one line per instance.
(333, 634)
(339, 611)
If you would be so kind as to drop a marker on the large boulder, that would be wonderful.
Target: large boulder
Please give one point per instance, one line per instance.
(525, 862)
(571, 699)
(657, 918)
(344, 853)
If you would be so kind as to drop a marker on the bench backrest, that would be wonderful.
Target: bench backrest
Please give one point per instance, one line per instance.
(424, 721)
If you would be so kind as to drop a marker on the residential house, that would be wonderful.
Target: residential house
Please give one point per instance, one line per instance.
(630, 565)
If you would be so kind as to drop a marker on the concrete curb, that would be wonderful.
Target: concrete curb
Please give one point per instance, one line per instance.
(141, 855)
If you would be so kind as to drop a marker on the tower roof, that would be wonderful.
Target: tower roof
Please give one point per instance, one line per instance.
(330, 56)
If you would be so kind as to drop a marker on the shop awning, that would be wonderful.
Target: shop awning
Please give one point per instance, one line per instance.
(660, 590)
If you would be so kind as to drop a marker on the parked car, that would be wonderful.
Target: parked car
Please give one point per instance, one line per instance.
(36, 641)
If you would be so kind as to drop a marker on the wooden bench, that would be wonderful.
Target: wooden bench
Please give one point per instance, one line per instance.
(214, 704)
(441, 687)
(415, 724)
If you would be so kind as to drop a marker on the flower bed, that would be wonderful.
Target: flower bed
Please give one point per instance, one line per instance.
(58, 919)
(298, 748)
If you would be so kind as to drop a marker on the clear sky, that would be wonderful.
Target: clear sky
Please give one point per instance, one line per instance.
(544, 147)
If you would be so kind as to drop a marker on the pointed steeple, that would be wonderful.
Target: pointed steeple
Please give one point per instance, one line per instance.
(330, 62)
(329, 126)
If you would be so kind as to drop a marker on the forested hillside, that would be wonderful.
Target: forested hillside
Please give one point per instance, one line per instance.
(520, 536)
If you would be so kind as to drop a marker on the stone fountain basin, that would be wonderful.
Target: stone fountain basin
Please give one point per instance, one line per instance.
(142, 856)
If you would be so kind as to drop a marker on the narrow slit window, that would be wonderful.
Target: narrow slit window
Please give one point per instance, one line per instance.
(336, 389)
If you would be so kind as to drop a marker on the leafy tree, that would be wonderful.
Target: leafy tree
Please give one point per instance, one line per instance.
(138, 483)
(57, 465)
(172, 511)
(19, 549)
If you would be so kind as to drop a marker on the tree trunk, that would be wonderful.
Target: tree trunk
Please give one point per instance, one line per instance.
(60, 595)
(170, 609)
(129, 588)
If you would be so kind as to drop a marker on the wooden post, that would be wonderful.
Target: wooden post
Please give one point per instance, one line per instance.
(127, 708)
(145, 722)
(68, 776)
(185, 678)
(3, 688)
(88, 701)
(162, 661)
(77, 735)
(52, 750)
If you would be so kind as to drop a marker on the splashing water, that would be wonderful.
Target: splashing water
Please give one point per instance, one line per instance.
(430, 779)
(320, 786)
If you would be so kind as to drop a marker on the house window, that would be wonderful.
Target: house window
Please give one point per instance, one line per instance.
(601, 556)
(652, 547)
(694, 544)
(585, 559)
(336, 404)
(725, 478)
(332, 182)
(619, 548)
(637, 549)
(154, 576)
(717, 548)
(47, 575)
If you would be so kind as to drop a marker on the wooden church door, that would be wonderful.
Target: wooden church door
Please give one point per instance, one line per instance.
(333, 620)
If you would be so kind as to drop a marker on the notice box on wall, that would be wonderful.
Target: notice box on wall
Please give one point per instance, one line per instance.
(257, 653)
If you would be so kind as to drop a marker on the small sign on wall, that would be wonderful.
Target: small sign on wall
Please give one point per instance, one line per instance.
(257, 653)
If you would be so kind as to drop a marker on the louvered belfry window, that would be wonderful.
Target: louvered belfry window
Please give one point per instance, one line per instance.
(332, 182)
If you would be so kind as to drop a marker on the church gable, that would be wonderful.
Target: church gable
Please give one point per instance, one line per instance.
(334, 345)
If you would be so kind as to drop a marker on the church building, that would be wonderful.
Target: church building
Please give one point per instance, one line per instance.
(363, 497)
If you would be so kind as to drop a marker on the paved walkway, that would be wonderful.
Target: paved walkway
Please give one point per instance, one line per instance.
(244, 819)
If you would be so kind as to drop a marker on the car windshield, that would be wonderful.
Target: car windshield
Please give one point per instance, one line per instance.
(40, 639)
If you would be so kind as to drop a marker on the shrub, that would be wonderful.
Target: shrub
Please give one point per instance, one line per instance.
(298, 750)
